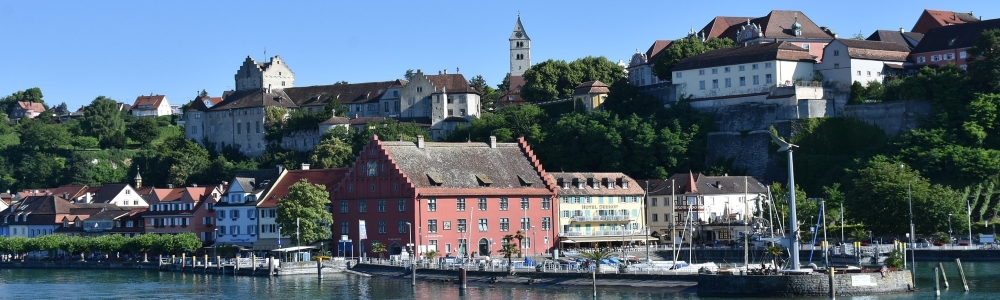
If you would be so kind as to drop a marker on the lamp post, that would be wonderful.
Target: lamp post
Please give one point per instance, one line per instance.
(949, 229)
(794, 236)
(909, 196)
(215, 239)
(534, 239)
(413, 262)
(969, 214)
(298, 240)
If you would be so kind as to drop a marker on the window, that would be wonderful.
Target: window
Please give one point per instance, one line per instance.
(483, 226)
(767, 65)
(701, 85)
(220, 214)
(949, 56)
(343, 206)
(432, 226)
(836, 65)
(805, 46)
(836, 52)
(729, 82)
(743, 81)
(402, 226)
(402, 205)
(451, 112)
(236, 214)
(503, 203)
(869, 73)
(460, 204)
(546, 224)
(726, 69)
(701, 72)
(546, 203)
(859, 73)
(753, 66)
(446, 225)
(362, 206)
(222, 230)
(525, 224)
(921, 59)
(381, 226)
(767, 78)
(420, 89)
(381, 205)
(962, 54)
(678, 75)
(345, 227)
(715, 70)
(743, 68)
(432, 204)
(936, 57)
(461, 112)
(715, 83)
(504, 224)
(482, 204)
(252, 229)
(756, 79)
(656, 217)
(461, 225)
(525, 203)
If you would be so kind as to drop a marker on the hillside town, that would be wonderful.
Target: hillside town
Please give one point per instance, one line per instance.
(450, 191)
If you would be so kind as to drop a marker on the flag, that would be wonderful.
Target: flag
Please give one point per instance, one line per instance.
(362, 232)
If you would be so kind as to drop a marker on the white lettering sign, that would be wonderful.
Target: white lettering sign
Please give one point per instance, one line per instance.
(862, 280)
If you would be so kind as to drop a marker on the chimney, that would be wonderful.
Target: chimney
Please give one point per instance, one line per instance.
(718, 184)
(170, 185)
(901, 30)
(66, 195)
(305, 166)
(445, 71)
(493, 142)
(281, 168)
(439, 72)
(420, 142)
(194, 185)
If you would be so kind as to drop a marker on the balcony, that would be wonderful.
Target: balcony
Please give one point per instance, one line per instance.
(686, 208)
(604, 218)
(603, 233)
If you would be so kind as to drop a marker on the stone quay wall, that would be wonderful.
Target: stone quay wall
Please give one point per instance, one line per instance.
(851, 284)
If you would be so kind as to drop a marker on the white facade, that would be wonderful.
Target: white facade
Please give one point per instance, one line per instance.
(740, 79)
(271, 75)
(144, 110)
(520, 50)
(840, 68)
(127, 198)
(236, 220)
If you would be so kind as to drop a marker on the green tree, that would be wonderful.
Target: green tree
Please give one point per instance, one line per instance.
(409, 74)
(557, 79)
(509, 249)
(36, 135)
(488, 95)
(41, 170)
(332, 152)
(141, 244)
(597, 255)
(105, 122)
(984, 62)
(144, 130)
(84, 142)
(305, 206)
(334, 107)
(379, 247)
(878, 198)
(857, 93)
(684, 48)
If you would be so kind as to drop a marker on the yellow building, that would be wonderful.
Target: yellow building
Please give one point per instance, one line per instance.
(599, 209)
(591, 94)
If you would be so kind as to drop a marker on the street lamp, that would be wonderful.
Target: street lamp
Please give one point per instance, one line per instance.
(534, 239)
(949, 229)
(413, 262)
(909, 196)
(215, 239)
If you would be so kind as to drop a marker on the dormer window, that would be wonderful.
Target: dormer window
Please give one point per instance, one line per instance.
(483, 180)
(525, 182)
(593, 183)
(562, 183)
(435, 179)
(624, 183)
(607, 183)
(578, 183)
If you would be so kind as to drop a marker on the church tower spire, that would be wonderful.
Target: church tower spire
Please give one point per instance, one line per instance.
(520, 49)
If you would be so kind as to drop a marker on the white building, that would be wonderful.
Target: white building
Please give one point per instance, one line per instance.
(600, 209)
(710, 207)
(640, 66)
(152, 106)
(846, 61)
(741, 71)
(236, 213)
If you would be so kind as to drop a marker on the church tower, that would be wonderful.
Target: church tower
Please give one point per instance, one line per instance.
(520, 50)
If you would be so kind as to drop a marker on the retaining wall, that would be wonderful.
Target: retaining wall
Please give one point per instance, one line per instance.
(853, 284)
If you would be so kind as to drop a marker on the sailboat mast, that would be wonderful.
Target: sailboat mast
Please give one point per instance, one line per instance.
(746, 223)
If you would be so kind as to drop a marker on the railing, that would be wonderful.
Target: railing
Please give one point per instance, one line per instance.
(603, 218)
(499, 264)
(604, 233)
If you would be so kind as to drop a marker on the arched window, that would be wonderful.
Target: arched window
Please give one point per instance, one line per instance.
(395, 249)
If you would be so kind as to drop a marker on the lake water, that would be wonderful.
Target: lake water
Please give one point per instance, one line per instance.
(984, 282)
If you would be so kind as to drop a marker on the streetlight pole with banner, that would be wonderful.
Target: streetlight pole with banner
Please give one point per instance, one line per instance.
(362, 235)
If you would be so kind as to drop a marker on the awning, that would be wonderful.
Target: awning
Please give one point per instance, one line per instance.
(613, 239)
(293, 249)
(568, 241)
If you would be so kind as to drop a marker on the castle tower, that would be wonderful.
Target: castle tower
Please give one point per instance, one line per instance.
(520, 50)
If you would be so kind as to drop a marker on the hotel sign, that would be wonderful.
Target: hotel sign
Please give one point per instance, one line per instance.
(600, 206)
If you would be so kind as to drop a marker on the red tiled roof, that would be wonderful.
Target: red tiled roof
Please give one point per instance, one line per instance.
(936, 18)
(656, 49)
(328, 177)
(751, 53)
(151, 102)
(31, 106)
(776, 24)
(591, 87)
(454, 83)
(162, 195)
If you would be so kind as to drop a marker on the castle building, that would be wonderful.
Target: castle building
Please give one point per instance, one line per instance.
(520, 61)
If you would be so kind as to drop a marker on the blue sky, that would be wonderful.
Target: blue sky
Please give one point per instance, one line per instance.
(78, 50)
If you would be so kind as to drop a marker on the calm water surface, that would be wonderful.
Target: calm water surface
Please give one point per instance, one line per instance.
(984, 281)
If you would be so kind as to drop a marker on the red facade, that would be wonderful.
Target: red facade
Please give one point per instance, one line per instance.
(392, 183)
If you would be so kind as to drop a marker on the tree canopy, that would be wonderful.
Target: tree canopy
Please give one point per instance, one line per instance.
(684, 48)
(305, 208)
(556, 79)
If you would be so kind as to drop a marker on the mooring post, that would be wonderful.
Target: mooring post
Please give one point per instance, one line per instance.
(270, 266)
(206, 261)
(937, 283)
(183, 260)
(319, 268)
(253, 263)
(218, 264)
(961, 272)
(463, 278)
(944, 277)
(833, 290)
